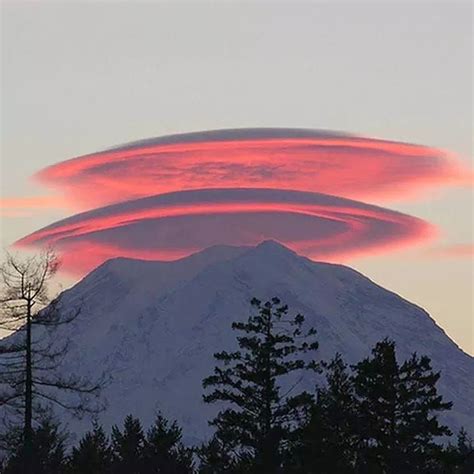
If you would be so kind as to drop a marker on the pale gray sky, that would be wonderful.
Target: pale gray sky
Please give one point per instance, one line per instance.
(82, 76)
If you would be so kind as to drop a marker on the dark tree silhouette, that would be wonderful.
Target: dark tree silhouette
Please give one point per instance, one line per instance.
(328, 443)
(48, 446)
(128, 447)
(465, 451)
(31, 355)
(398, 406)
(215, 458)
(93, 455)
(458, 458)
(260, 415)
(164, 451)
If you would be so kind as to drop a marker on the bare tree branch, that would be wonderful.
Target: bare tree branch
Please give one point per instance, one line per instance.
(31, 357)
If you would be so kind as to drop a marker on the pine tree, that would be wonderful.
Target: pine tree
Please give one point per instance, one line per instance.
(419, 404)
(328, 442)
(456, 458)
(93, 455)
(48, 445)
(465, 449)
(376, 385)
(216, 458)
(128, 447)
(398, 407)
(164, 452)
(260, 415)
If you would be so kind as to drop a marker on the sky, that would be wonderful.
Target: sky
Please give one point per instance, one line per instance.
(81, 77)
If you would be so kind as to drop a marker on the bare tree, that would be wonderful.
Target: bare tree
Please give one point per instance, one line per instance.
(30, 357)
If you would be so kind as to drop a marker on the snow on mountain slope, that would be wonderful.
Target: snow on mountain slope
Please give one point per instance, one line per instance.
(153, 327)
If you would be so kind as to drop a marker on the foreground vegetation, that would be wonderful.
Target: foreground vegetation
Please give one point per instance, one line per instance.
(377, 416)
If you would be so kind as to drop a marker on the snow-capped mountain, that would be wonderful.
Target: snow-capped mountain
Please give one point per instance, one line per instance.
(153, 327)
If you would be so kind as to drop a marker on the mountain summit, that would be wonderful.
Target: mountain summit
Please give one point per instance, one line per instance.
(153, 327)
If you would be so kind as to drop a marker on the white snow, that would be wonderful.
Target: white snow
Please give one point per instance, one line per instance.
(153, 327)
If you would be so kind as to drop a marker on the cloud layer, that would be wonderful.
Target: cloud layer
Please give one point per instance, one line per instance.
(164, 198)
(173, 225)
(304, 160)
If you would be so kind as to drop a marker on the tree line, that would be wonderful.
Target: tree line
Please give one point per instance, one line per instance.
(377, 416)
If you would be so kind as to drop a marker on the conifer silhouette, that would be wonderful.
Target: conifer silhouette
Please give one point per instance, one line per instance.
(261, 416)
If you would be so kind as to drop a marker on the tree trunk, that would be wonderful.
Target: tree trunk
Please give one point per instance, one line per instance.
(270, 445)
(28, 428)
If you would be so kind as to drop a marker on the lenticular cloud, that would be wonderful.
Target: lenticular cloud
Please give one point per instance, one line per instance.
(172, 225)
(167, 197)
(303, 160)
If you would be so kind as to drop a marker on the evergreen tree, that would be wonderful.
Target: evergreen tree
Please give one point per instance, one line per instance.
(215, 458)
(465, 448)
(128, 447)
(419, 405)
(397, 408)
(460, 458)
(163, 450)
(47, 450)
(328, 442)
(93, 455)
(260, 416)
(376, 385)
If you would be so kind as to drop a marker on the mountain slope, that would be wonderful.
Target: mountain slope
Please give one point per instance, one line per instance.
(154, 326)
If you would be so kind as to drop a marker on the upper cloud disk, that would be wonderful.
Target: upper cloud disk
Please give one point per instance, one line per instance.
(299, 159)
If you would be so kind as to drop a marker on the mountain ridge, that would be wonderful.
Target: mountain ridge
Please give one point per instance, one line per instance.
(153, 327)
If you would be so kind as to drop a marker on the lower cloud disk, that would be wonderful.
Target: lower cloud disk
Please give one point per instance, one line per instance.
(170, 226)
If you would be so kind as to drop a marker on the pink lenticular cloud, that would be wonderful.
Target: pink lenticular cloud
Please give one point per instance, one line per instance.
(173, 225)
(167, 197)
(305, 160)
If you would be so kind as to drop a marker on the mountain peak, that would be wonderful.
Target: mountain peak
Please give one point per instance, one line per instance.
(272, 247)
